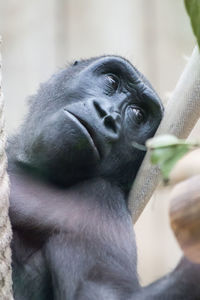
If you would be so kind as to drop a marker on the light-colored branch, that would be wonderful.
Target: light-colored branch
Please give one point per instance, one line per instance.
(185, 216)
(5, 228)
(181, 115)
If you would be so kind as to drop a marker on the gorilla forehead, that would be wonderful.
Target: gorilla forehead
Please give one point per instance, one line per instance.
(59, 85)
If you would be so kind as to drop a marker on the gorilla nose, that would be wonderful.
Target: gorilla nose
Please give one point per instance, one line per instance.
(111, 119)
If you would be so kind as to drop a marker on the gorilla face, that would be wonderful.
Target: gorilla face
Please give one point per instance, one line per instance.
(84, 120)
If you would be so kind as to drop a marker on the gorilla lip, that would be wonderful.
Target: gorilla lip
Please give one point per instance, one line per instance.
(86, 130)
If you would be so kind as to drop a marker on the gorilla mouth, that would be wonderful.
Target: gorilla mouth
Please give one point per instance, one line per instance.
(87, 131)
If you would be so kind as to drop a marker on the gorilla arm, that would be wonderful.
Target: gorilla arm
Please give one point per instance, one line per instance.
(34, 205)
(43, 217)
(107, 266)
(181, 284)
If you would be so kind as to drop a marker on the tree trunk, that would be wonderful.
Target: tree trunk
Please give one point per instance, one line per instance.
(181, 114)
(5, 228)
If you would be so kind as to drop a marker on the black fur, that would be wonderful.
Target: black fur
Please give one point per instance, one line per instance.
(71, 167)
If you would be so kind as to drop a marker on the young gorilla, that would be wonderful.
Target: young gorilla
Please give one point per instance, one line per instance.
(71, 168)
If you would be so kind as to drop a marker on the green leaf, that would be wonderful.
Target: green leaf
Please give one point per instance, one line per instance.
(166, 150)
(161, 141)
(170, 158)
(193, 10)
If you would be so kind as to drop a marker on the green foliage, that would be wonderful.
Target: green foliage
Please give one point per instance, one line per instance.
(193, 9)
(166, 150)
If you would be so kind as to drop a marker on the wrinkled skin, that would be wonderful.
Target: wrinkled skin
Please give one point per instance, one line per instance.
(71, 167)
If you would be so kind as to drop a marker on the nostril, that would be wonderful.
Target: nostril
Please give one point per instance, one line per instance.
(110, 123)
(101, 112)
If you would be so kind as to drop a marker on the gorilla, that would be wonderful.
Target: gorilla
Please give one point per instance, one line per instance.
(71, 166)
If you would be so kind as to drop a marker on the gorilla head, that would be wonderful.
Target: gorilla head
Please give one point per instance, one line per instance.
(84, 120)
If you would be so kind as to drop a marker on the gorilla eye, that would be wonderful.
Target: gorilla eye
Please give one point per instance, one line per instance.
(112, 82)
(138, 114)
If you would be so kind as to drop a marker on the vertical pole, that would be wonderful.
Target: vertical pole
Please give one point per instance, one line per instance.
(5, 228)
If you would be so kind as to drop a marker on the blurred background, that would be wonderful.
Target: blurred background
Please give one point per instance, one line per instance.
(41, 36)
